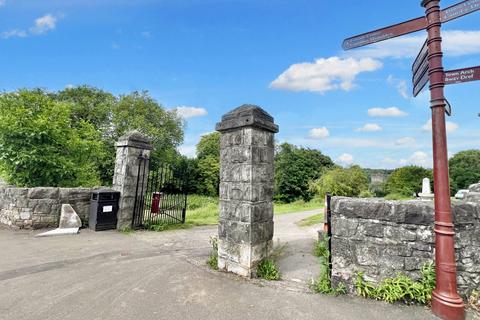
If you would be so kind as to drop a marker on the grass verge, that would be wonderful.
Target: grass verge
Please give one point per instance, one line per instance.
(203, 211)
(310, 221)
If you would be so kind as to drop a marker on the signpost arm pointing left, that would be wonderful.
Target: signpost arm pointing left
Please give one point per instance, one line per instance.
(385, 33)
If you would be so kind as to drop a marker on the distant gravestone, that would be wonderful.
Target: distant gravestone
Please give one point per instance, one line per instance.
(426, 193)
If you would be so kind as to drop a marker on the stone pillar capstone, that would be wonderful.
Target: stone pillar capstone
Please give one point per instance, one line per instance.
(245, 228)
(131, 148)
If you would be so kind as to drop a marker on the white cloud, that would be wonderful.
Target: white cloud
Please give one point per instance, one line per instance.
(370, 127)
(13, 33)
(400, 85)
(2, 2)
(455, 43)
(69, 86)
(319, 133)
(418, 158)
(191, 112)
(41, 26)
(346, 158)
(44, 24)
(324, 75)
(188, 151)
(450, 126)
(405, 141)
(386, 112)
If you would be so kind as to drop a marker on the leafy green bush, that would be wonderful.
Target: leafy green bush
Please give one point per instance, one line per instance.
(323, 283)
(268, 270)
(40, 146)
(400, 288)
(338, 181)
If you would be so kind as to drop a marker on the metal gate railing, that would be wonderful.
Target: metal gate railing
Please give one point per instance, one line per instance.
(161, 196)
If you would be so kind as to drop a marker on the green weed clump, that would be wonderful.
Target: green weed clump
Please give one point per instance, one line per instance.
(212, 261)
(268, 270)
(474, 300)
(400, 288)
(323, 284)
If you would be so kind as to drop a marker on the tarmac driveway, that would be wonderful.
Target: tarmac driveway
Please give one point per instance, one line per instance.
(149, 275)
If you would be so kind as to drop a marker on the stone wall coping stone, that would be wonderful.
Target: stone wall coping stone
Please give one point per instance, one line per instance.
(135, 139)
(247, 115)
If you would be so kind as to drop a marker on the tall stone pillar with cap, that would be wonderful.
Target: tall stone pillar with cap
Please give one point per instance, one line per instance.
(132, 148)
(246, 189)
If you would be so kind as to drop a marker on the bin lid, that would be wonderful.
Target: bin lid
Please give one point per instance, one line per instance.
(105, 191)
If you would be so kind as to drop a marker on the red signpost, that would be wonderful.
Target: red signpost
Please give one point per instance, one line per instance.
(428, 67)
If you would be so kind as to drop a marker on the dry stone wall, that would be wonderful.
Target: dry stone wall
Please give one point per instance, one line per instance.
(35, 208)
(381, 238)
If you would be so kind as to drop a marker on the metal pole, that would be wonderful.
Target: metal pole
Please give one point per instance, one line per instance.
(446, 303)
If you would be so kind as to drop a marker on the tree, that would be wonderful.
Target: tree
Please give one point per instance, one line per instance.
(94, 106)
(68, 138)
(209, 145)
(464, 169)
(40, 146)
(139, 111)
(295, 167)
(407, 180)
(208, 164)
(350, 182)
(209, 176)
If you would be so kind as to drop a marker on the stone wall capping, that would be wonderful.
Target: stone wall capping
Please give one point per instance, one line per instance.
(247, 115)
(135, 139)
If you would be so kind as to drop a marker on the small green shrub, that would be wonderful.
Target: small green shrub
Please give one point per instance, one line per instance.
(366, 194)
(126, 230)
(212, 261)
(323, 283)
(396, 196)
(268, 270)
(320, 248)
(474, 300)
(400, 288)
(156, 225)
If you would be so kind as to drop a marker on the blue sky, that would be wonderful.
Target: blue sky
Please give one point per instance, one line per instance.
(206, 57)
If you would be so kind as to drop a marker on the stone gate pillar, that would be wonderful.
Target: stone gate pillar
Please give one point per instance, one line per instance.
(245, 229)
(130, 148)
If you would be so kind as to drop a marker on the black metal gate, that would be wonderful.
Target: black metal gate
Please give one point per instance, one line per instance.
(161, 196)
